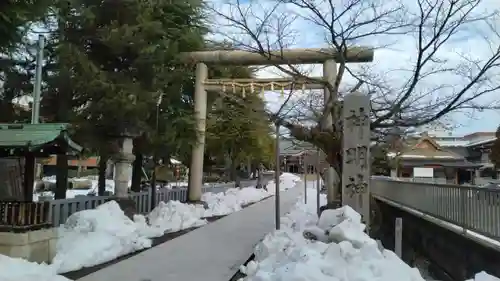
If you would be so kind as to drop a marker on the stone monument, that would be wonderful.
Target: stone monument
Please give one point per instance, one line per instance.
(356, 154)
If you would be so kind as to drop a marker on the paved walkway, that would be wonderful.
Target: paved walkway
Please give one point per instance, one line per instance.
(211, 253)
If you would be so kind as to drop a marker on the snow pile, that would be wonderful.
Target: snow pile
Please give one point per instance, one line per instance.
(331, 248)
(174, 216)
(106, 233)
(15, 269)
(233, 200)
(88, 238)
(92, 237)
(287, 181)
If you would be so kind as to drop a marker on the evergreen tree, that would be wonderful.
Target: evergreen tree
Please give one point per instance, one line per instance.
(112, 59)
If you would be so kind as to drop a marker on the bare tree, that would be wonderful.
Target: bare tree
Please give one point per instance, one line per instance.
(420, 89)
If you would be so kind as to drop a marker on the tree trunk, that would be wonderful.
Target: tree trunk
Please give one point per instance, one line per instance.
(137, 172)
(227, 167)
(101, 183)
(232, 171)
(253, 171)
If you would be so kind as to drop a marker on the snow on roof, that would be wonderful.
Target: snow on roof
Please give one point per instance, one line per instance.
(482, 141)
(452, 143)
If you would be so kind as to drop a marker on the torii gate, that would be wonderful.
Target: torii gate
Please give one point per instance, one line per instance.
(327, 57)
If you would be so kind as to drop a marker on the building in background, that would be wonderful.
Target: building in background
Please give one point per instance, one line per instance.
(295, 155)
(444, 157)
(78, 167)
(436, 156)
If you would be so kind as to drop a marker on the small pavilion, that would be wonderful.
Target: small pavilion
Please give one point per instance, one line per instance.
(20, 145)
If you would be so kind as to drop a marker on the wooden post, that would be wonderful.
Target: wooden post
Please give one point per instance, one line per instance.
(330, 74)
(305, 178)
(277, 175)
(318, 184)
(398, 234)
(29, 177)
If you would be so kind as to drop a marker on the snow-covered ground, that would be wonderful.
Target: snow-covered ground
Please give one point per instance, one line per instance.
(96, 236)
(341, 251)
(93, 185)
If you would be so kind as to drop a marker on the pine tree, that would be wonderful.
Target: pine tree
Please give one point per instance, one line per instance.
(112, 59)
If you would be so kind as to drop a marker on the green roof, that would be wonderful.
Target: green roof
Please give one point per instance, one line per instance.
(35, 136)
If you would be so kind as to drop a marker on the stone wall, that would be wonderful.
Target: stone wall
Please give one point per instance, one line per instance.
(36, 246)
(452, 256)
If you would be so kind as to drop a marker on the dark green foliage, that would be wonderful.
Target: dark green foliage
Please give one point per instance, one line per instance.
(15, 18)
(106, 65)
(114, 59)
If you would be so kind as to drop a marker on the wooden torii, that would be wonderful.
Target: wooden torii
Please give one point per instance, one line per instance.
(327, 57)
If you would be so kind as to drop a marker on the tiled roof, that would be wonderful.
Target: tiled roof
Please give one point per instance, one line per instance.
(289, 147)
(426, 147)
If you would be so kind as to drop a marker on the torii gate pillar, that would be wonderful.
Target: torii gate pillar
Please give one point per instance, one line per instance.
(198, 151)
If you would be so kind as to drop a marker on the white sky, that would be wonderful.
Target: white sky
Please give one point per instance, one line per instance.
(390, 61)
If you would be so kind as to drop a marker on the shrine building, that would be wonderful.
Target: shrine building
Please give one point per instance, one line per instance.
(423, 159)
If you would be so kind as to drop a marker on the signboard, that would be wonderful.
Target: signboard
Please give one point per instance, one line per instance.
(423, 172)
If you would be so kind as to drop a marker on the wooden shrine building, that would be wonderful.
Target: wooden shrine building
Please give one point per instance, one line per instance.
(20, 145)
(425, 160)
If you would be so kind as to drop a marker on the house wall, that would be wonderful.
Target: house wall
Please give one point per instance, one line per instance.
(295, 163)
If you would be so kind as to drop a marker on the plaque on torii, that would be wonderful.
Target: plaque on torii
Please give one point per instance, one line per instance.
(356, 154)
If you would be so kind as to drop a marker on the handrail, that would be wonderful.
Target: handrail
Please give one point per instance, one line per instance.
(474, 208)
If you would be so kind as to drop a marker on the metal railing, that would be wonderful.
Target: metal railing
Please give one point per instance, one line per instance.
(473, 208)
(61, 209)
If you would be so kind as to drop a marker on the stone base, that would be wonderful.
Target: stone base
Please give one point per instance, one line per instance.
(128, 206)
(332, 205)
(35, 246)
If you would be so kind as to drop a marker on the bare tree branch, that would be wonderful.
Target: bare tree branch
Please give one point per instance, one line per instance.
(435, 78)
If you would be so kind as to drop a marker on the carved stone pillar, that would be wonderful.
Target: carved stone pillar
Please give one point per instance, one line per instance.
(356, 154)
